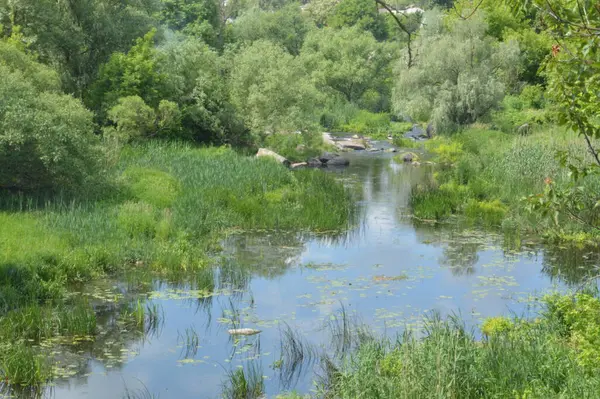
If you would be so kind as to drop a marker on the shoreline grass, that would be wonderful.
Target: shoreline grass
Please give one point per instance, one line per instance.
(485, 176)
(169, 207)
(554, 355)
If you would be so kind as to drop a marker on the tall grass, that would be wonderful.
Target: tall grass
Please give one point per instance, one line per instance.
(485, 175)
(164, 213)
(517, 359)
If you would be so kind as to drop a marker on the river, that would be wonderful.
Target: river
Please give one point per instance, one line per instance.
(389, 272)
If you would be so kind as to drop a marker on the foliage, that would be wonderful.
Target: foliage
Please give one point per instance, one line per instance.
(458, 78)
(135, 120)
(200, 19)
(359, 13)
(271, 90)
(517, 359)
(286, 27)
(349, 63)
(195, 78)
(579, 319)
(133, 74)
(79, 36)
(46, 138)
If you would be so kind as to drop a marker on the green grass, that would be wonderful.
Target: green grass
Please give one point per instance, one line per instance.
(485, 175)
(167, 209)
(553, 356)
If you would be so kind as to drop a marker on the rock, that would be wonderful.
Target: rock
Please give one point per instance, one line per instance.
(327, 139)
(430, 131)
(524, 129)
(339, 161)
(391, 150)
(328, 156)
(416, 133)
(409, 157)
(375, 149)
(352, 145)
(390, 137)
(298, 165)
(264, 152)
(243, 331)
(416, 163)
(355, 137)
(314, 163)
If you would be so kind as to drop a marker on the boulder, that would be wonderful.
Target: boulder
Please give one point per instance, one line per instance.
(430, 131)
(327, 156)
(243, 331)
(415, 163)
(327, 139)
(355, 137)
(391, 150)
(339, 161)
(352, 145)
(409, 157)
(299, 165)
(524, 129)
(314, 163)
(264, 152)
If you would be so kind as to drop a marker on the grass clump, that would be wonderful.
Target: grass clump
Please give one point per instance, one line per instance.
(487, 175)
(550, 357)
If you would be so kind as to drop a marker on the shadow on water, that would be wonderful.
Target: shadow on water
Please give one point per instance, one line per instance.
(386, 272)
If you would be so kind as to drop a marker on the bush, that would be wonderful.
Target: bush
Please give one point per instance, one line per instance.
(47, 141)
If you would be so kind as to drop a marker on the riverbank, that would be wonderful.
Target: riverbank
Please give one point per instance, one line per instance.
(165, 211)
(554, 355)
(496, 179)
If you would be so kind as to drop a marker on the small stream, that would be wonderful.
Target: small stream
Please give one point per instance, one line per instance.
(389, 272)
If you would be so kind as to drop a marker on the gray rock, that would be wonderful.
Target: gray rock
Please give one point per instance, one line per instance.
(524, 129)
(339, 161)
(264, 152)
(352, 145)
(409, 157)
(430, 131)
(314, 163)
(391, 150)
(328, 156)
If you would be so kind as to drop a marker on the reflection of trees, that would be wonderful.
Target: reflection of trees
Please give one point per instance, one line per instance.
(571, 265)
(267, 254)
(461, 257)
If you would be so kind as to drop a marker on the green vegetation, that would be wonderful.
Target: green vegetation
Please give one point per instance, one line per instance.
(122, 126)
(554, 355)
(169, 205)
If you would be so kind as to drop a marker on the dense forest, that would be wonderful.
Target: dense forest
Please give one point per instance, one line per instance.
(126, 128)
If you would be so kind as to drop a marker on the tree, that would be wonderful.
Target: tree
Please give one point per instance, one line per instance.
(46, 138)
(286, 27)
(136, 73)
(77, 36)
(197, 80)
(349, 62)
(459, 76)
(197, 18)
(271, 90)
(360, 13)
(135, 120)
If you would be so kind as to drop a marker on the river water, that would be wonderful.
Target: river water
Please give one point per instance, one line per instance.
(388, 272)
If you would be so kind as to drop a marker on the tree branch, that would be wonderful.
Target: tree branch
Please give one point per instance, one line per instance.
(402, 27)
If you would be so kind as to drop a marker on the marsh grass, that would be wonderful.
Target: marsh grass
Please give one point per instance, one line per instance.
(164, 213)
(523, 359)
(244, 383)
(485, 175)
(297, 355)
